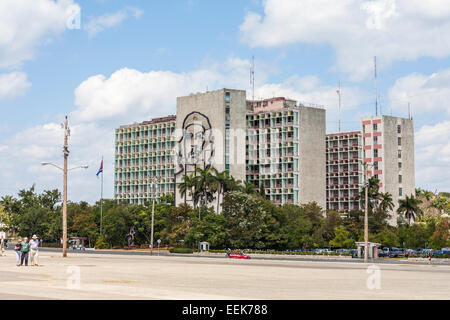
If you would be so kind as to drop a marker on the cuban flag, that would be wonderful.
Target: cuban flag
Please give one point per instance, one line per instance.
(101, 169)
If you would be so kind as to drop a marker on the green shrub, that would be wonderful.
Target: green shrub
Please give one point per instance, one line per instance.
(101, 243)
(181, 250)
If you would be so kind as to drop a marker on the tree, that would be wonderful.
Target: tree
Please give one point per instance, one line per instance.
(373, 194)
(248, 188)
(116, 225)
(409, 207)
(342, 238)
(204, 186)
(210, 228)
(332, 220)
(295, 227)
(186, 186)
(220, 179)
(387, 238)
(414, 236)
(85, 224)
(245, 220)
(440, 203)
(386, 203)
(176, 224)
(441, 236)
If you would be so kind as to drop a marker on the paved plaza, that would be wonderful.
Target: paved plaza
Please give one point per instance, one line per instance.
(115, 276)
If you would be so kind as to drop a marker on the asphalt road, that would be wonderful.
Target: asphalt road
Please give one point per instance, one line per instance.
(253, 256)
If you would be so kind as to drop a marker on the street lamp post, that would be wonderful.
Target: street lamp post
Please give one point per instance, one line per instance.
(65, 170)
(154, 181)
(366, 213)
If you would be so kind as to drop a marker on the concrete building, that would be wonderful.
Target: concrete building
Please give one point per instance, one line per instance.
(344, 170)
(211, 129)
(388, 149)
(143, 151)
(386, 145)
(274, 143)
(286, 150)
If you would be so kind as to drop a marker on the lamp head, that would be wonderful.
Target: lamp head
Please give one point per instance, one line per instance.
(44, 163)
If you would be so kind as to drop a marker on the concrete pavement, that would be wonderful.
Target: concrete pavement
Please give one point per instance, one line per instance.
(108, 276)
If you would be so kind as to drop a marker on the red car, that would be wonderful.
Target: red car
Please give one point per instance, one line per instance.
(237, 255)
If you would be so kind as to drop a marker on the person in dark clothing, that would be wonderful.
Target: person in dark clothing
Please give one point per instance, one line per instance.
(25, 249)
(17, 250)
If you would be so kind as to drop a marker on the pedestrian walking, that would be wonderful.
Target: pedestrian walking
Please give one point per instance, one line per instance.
(34, 250)
(17, 250)
(2, 243)
(24, 251)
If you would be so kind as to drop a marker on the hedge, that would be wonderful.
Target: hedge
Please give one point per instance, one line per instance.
(181, 250)
(307, 253)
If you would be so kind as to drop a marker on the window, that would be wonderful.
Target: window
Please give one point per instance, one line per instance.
(399, 178)
(375, 127)
(399, 128)
(375, 153)
(376, 165)
(400, 192)
(227, 97)
(399, 141)
(399, 154)
(399, 166)
(375, 140)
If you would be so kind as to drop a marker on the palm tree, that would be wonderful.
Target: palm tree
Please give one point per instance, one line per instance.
(409, 207)
(373, 193)
(386, 203)
(186, 186)
(248, 188)
(204, 186)
(221, 179)
(440, 203)
(231, 184)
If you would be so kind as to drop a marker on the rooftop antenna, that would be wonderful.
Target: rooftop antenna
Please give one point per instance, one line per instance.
(376, 87)
(409, 110)
(252, 77)
(339, 112)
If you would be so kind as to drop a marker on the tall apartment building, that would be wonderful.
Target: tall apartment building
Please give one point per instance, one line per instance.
(286, 150)
(344, 170)
(210, 131)
(143, 151)
(386, 145)
(274, 143)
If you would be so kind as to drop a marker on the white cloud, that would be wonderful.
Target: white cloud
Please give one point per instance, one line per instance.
(13, 84)
(26, 150)
(357, 29)
(24, 24)
(103, 103)
(426, 93)
(109, 20)
(433, 156)
(132, 95)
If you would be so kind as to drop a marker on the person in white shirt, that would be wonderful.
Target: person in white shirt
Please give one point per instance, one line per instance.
(34, 250)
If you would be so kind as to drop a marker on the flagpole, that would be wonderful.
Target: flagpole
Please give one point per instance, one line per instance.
(101, 202)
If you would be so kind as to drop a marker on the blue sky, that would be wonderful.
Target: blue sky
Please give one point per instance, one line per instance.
(130, 59)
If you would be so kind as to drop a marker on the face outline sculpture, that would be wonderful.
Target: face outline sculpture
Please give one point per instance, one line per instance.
(195, 147)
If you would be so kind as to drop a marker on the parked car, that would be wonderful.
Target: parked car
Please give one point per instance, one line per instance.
(397, 253)
(427, 251)
(383, 252)
(412, 252)
(237, 255)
